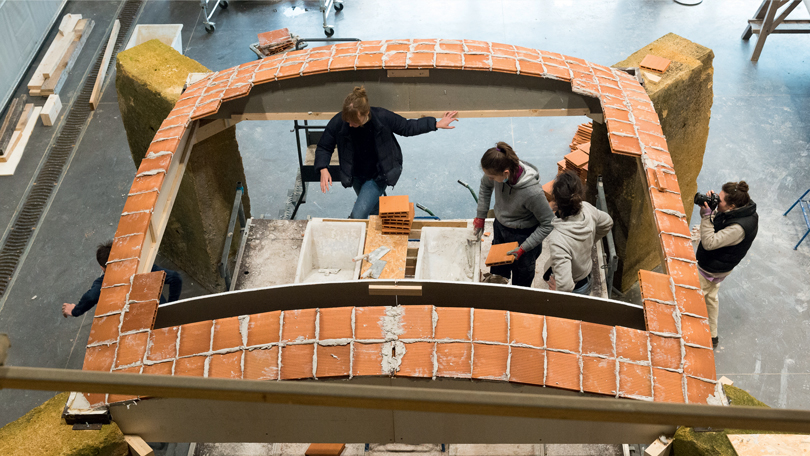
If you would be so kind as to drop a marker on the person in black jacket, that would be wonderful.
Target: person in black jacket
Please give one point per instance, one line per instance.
(90, 298)
(369, 156)
(726, 234)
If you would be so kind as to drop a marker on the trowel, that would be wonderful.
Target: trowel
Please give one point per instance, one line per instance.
(375, 270)
(373, 256)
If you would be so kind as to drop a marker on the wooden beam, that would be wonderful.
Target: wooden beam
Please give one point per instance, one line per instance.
(68, 23)
(138, 447)
(210, 128)
(19, 132)
(10, 122)
(8, 167)
(420, 114)
(54, 84)
(55, 53)
(105, 62)
(50, 112)
(395, 290)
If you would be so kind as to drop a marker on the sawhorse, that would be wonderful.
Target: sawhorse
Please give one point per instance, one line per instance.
(804, 205)
(766, 22)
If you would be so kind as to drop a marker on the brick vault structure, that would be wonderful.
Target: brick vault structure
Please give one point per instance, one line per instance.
(671, 361)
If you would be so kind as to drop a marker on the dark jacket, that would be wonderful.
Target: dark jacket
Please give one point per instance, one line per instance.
(725, 258)
(389, 154)
(90, 298)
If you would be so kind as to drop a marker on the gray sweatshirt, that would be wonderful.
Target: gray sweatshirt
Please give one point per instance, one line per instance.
(523, 205)
(571, 242)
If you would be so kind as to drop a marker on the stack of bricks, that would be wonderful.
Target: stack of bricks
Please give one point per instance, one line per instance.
(577, 159)
(671, 361)
(396, 214)
(582, 136)
(275, 42)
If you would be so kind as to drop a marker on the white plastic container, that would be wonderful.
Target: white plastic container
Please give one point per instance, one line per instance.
(168, 34)
(447, 254)
(330, 246)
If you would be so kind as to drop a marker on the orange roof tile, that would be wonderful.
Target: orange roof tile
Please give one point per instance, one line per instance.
(527, 365)
(334, 361)
(261, 364)
(489, 361)
(453, 360)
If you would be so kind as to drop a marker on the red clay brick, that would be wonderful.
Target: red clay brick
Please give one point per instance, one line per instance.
(668, 386)
(660, 317)
(448, 61)
(227, 365)
(131, 349)
(696, 331)
(417, 322)
(677, 247)
(142, 201)
(159, 369)
(335, 323)
(296, 361)
(420, 59)
(477, 62)
(368, 322)
(334, 361)
(526, 329)
(698, 391)
(263, 328)
(315, 67)
(665, 352)
(683, 273)
(133, 223)
(227, 334)
(163, 344)
(147, 286)
(667, 201)
(104, 329)
(490, 326)
(453, 323)
(395, 60)
(504, 65)
(299, 325)
(141, 315)
(489, 361)
(599, 375)
(631, 344)
(100, 358)
(417, 361)
(195, 338)
(562, 370)
(289, 71)
(668, 223)
(453, 360)
(261, 364)
(554, 72)
(367, 359)
(624, 145)
(124, 397)
(691, 301)
(145, 184)
(699, 362)
(634, 380)
(527, 365)
(190, 367)
(562, 334)
(597, 339)
(120, 272)
(112, 299)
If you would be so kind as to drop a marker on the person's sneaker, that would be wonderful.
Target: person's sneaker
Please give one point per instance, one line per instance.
(715, 341)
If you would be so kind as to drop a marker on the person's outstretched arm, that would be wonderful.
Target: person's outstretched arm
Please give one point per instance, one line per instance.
(88, 299)
(413, 127)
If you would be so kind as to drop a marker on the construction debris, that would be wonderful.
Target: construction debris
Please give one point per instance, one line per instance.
(54, 68)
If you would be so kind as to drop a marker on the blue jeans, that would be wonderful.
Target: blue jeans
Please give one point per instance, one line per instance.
(368, 197)
(584, 289)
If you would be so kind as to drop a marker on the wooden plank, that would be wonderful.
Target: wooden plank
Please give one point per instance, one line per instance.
(395, 259)
(418, 114)
(419, 224)
(18, 132)
(23, 120)
(409, 73)
(395, 290)
(9, 123)
(212, 127)
(138, 447)
(658, 448)
(55, 53)
(7, 168)
(68, 23)
(105, 62)
(773, 444)
(50, 111)
(54, 85)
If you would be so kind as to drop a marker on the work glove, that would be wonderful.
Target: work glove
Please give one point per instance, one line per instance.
(478, 227)
(518, 252)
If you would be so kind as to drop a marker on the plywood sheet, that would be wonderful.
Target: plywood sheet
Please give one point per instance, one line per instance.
(396, 258)
(770, 444)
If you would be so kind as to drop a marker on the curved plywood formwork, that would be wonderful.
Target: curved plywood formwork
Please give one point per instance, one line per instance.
(499, 345)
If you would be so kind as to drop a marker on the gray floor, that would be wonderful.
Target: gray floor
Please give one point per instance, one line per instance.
(759, 133)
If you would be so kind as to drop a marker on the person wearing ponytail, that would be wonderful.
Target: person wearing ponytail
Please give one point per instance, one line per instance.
(726, 234)
(577, 227)
(522, 213)
(369, 155)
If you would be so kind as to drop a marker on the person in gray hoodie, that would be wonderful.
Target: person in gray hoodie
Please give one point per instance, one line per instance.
(577, 226)
(522, 213)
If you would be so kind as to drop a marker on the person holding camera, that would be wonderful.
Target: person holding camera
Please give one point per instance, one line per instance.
(728, 226)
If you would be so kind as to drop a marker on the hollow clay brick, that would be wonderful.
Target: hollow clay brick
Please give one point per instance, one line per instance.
(659, 156)
(476, 46)
(227, 365)
(453, 360)
(263, 328)
(660, 317)
(190, 367)
(417, 361)
(613, 102)
(100, 358)
(164, 368)
(131, 349)
(527, 365)
(195, 338)
(504, 65)
(616, 115)
(315, 67)
(163, 344)
(562, 370)
(655, 286)
(651, 140)
(233, 93)
(665, 352)
(490, 326)
(95, 400)
(649, 127)
(396, 204)
(489, 361)
(597, 339)
(335, 323)
(696, 331)
(654, 63)
(142, 201)
(417, 322)
(698, 391)
(286, 71)
(299, 325)
(367, 359)
(562, 334)
(147, 286)
(124, 397)
(631, 344)
(668, 386)
(554, 72)
(112, 299)
(618, 126)
(141, 315)
(531, 68)
(368, 322)
(395, 60)
(526, 329)
(424, 48)
(608, 90)
(683, 273)
(667, 201)
(479, 62)
(296, 361)
(133, 224)
(641, 114)
(453, 323)
(120, 272)
(498, 254)
(449, 61)
(204, 110)
(265, 74)
(677, 247)
(528, 53)
(699, 362)
(634, 380)
(556, 61)
(691, 301)
(599, 375)
(261, 364)
(127, 247)
(227, 334)
(397, 47)
(668, 223)
(342, 62)
(144, 184)
(104, 329)
(334, 361)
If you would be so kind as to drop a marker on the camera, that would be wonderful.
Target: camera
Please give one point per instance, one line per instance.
(712, 200)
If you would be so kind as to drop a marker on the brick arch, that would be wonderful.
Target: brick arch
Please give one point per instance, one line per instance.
(671, 361)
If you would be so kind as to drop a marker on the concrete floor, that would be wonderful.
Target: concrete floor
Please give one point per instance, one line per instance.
(759, 132)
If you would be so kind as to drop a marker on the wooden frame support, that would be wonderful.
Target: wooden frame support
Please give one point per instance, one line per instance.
(105, 62)
(766, 21)
(419, 114)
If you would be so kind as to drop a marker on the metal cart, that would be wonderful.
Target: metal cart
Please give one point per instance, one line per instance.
(211, 26)
(326, 7)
